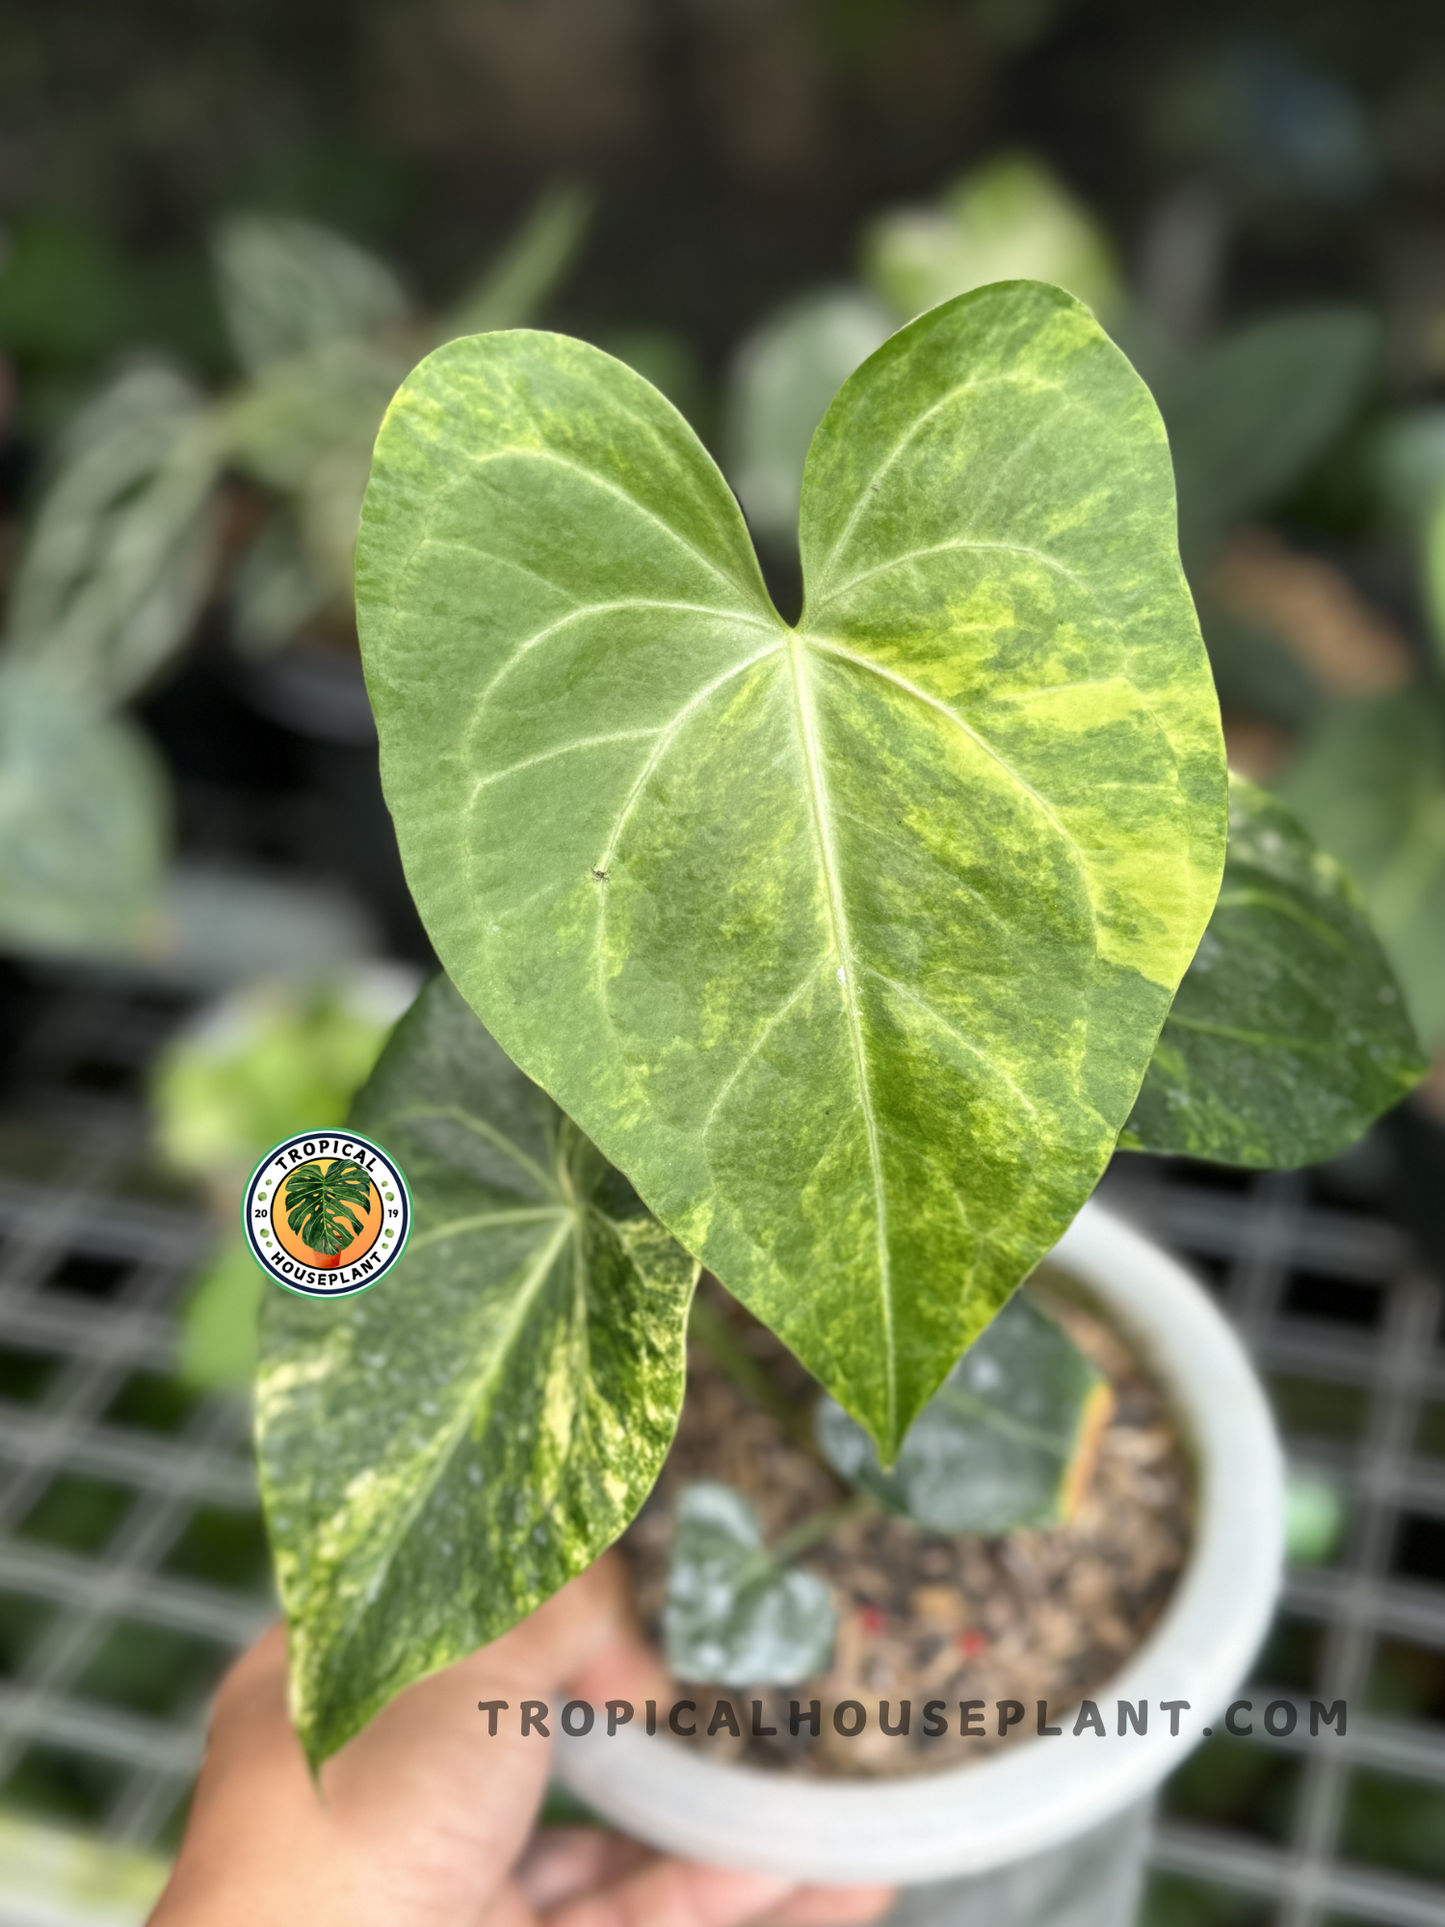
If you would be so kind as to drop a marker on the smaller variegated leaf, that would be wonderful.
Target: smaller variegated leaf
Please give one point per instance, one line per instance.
(440, 1454)
(1289, 1034)
(1007, 1440)
(734, 1616)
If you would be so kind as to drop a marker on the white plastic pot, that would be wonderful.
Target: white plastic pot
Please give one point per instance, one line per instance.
(1009, 1814)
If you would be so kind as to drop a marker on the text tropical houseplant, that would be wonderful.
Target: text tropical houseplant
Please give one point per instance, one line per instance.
(834, 958)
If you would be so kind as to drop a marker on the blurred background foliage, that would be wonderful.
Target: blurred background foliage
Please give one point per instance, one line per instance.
(226, 233)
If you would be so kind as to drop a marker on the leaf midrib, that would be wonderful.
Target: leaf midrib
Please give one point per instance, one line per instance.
(843, 948)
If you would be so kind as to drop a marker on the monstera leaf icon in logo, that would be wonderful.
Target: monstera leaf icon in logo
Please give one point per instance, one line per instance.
(327, 1214)
(319, 1206)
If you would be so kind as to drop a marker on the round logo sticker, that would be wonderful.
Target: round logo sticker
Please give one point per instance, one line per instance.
(326, 1213)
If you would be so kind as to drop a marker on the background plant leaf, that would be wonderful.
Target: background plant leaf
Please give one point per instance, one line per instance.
(288, 286)
(733, 1616)
(83, 824)
(513, 287)
(1248, 415)
(1289, 1034)
(1370, 786)
(850, 944)
(1005, 1441)
(493, 1413)
(1007, 220)
(783, 378)
(121, 553)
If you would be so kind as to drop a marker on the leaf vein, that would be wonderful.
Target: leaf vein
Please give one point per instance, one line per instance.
(843, 948)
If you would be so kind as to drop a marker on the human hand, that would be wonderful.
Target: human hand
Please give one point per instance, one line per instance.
(423, 1820)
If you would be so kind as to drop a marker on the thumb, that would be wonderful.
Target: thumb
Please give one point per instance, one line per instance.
(432, 1745)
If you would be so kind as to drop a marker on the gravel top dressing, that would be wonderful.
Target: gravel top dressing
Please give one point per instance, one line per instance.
(1039, 1614)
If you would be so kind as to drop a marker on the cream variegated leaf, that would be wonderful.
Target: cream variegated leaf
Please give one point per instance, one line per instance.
(439, 1454)
(849, 943)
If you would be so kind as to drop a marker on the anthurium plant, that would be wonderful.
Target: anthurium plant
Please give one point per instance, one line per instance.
(834, 959)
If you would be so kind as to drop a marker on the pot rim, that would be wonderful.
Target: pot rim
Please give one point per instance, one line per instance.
(970, 1819)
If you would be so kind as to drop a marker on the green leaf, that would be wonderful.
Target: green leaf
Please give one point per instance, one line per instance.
(440, 1454)
(1007, 220)
(83, 824)
(786, 373)
(271, 1059)
(305, 428)
(734, 1616)
(218, 1324)
(291, 416)
(1370, 786)
(1249, 416)
(274, 591)
(289, 286)
(848, 944)
(1007, 1440)
(124, 543)
(319, 1201)
(515, 285)
(1288, 1036)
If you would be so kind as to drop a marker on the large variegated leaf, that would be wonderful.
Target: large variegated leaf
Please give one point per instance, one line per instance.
(440, 1454)
(1289, 1035)
(1371, 786)
(849, 943)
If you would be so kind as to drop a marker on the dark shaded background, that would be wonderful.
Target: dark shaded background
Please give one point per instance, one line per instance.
(736, 144)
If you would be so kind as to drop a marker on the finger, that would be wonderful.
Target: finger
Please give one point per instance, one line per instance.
(832, 1907)
(254, 1786)
(561, 1862)
(431, 1750)
(676, 1893)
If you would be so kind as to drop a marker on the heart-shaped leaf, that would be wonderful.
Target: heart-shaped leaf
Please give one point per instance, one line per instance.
(849, 943)
(1289, 1035)
(1371, 786)
(1007, 1440)
(440, 1454)
(733, 1615)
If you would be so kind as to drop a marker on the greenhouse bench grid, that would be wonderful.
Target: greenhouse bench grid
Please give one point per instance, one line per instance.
(129, 1539)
